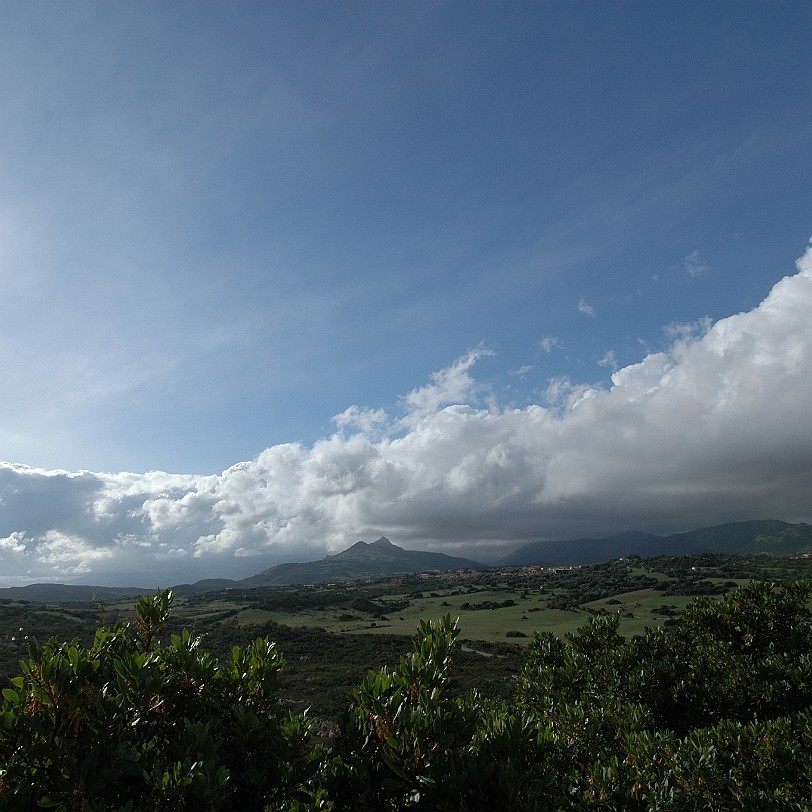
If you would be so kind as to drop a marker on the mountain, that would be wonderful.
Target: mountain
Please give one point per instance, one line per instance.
(587, 551)
(380, 559)
(759, 536)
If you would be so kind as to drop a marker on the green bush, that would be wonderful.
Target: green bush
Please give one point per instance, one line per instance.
(404, 737)
(712, 712)
(132, 724)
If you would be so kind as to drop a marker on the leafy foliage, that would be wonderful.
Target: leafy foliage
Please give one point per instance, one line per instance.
(711, 712)
(132, 724)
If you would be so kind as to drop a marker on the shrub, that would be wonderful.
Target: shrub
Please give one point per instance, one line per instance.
(132, 724)
(713, 712)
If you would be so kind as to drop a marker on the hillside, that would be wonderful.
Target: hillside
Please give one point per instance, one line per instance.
(759, 536)
(71, 592)
(379, 559)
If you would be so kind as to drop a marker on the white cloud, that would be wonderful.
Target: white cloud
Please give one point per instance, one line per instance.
(13, 543)
(69, 555)
(562, 394)
(522, 371)
(453, 384)
(691, 330)
(609, 360)
(715, 428)
(549, 343)
(694, 265)
(585, 308)
(364, 420)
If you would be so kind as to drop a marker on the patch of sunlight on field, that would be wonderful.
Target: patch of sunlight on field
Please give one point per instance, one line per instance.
(251, 616)
(527, 616)
(635, 598)
(644, 573)
(641, 604)
(513, 624)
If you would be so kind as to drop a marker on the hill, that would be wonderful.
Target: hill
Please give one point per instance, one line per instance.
(759, 536)
(71, 592)
(380, 559)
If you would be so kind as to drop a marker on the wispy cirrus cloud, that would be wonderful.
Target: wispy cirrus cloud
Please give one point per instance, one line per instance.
(694, 265)
(522, 371)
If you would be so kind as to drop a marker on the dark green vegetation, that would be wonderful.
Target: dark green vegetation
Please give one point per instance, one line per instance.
(129, 723)
(767, 536)
(713, 711)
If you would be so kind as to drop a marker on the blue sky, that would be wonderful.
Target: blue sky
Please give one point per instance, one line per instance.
(245, 247)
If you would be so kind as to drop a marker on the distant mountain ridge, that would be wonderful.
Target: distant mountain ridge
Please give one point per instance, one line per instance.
(380, 559)
(758, 536)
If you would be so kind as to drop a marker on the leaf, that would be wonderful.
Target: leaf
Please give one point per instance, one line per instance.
(11, 695)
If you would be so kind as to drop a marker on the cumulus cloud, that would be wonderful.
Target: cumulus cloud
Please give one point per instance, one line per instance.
(69, 555)
(688, 330)
(714, 428)
(14, 543)
(365, 420)
(453, 384)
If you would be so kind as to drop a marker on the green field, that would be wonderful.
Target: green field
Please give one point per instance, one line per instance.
(515, 624)
(330, 635)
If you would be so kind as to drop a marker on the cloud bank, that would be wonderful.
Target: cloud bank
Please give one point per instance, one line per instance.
(714, 428)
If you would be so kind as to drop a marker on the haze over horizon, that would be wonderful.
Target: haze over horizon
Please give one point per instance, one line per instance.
(278, 277)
